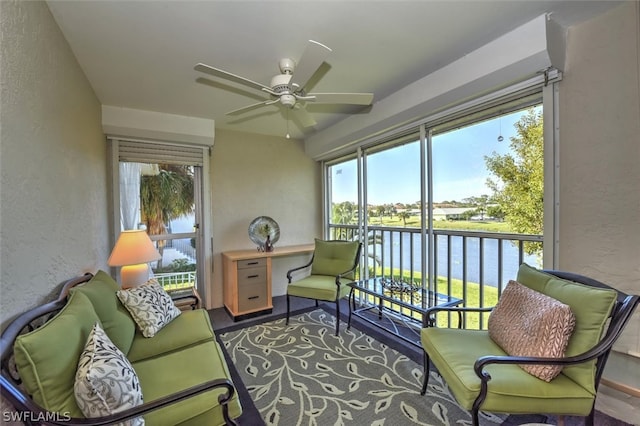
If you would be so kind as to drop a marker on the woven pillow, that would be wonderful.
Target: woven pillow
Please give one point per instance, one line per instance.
(528, 323)
(106, 383)
(150, 306)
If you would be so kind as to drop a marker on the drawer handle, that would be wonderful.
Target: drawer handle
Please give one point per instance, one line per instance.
(254, 297)
(253, 276)
(252, 263)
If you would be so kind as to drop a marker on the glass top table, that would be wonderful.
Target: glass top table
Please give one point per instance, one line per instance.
(395, 306)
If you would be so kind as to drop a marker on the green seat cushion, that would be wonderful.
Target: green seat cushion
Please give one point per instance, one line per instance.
(319, 287)
(47, 358)
(591, 307)
(511, 389)
(189, 328)
(178, 370)
(334, 257)
(116, 321)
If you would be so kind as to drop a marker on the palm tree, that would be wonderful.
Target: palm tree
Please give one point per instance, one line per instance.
(404, 215)
(165, 197)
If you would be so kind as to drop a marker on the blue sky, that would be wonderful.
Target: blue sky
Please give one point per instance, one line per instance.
(459, 169)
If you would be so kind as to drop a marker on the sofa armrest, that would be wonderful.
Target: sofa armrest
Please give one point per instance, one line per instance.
(32, 411)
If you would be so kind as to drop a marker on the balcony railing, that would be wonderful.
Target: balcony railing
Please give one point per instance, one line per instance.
(471, 265)
(176, 280)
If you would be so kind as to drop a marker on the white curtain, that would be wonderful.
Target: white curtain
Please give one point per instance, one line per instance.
(130, 195)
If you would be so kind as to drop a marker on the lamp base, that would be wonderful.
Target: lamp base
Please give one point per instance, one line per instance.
(134, 275)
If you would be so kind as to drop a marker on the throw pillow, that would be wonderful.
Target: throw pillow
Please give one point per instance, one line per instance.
(106, 383)
(528, 323)
(150, 306)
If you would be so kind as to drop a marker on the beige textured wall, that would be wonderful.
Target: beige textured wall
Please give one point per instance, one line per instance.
(600, 154)
(53, 213)
(262, 176)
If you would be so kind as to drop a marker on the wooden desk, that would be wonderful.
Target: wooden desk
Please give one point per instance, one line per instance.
(247, 279)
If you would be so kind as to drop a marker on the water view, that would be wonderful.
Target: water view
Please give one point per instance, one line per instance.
(399, 252)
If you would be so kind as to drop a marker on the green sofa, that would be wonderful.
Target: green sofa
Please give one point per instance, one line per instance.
(483, 377)
(182, 372)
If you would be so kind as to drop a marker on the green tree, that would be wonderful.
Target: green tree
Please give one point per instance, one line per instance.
(404, 215)
(518, 182)
(480, 203)
(165, 197)
(380, 211)
(343, 213)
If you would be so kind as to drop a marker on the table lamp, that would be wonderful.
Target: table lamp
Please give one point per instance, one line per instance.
(133, 251)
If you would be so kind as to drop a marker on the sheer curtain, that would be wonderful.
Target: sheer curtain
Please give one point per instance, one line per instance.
(129, 195)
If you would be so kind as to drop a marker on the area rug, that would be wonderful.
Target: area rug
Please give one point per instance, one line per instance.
(302, 374)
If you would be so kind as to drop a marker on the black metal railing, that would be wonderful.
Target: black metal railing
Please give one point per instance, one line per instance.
(471, 265)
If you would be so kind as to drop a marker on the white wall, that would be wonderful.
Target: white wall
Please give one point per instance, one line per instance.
(600, 155)
(53, 214)
(262, 176)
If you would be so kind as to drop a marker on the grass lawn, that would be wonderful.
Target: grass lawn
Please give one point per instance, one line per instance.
(467, 225)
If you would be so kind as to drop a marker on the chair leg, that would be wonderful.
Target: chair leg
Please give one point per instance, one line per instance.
(475, 421)
(287, 323)
(425, 374)
(337, 316)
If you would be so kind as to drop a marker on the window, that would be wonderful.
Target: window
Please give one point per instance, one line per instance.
(436, 202)
(158, 187)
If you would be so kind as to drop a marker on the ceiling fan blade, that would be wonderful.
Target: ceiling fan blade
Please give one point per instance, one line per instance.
(313, 56)
(252, 106)
(229, 76)
(303, 118)
(340, 98)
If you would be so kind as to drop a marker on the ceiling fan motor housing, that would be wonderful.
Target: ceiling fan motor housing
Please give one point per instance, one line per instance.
(280, 83)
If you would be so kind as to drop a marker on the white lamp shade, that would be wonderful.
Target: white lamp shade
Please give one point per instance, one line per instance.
(133, 247)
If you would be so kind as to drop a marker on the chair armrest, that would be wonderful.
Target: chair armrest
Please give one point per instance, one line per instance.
(430, 319)
(290, 271)
(25, 404)
(341, 275)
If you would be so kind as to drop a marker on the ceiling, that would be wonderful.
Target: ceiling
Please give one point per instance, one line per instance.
(141, 54)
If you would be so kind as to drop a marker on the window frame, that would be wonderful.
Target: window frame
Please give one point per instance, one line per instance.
(539, 90)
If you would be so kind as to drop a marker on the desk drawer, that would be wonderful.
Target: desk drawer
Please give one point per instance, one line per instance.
(252, 276)
(252, 296)
(252, 263)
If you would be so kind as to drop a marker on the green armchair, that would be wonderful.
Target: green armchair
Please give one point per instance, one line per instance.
(333, 266)
(483, 376)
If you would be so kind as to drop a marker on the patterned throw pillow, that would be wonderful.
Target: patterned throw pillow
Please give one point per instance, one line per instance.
(150, 306)
(528, 323)
(106, 383)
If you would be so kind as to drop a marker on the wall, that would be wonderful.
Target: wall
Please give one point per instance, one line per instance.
(600, 153)
(262, 176)
(53, 215)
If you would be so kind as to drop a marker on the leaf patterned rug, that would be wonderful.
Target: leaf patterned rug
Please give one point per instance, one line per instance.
(302, 374)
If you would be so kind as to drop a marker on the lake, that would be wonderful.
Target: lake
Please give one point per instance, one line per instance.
(392, 247)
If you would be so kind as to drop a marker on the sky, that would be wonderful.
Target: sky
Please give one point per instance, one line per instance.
(459, 169)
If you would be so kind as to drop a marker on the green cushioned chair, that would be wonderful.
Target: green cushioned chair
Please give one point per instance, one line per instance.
(482, 376)
(333, 266)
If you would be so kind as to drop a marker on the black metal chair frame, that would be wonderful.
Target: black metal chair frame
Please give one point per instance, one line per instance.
(31, 413)
(619, 317)
(339, 277)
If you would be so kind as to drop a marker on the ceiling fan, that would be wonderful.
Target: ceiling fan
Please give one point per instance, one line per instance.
(288, 87)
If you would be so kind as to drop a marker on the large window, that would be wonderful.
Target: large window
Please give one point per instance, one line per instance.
(454, 205)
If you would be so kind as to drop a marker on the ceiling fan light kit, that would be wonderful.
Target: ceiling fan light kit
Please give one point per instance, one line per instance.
(289, 87)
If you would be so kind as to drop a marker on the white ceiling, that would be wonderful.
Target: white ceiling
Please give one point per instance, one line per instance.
(141, 54)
